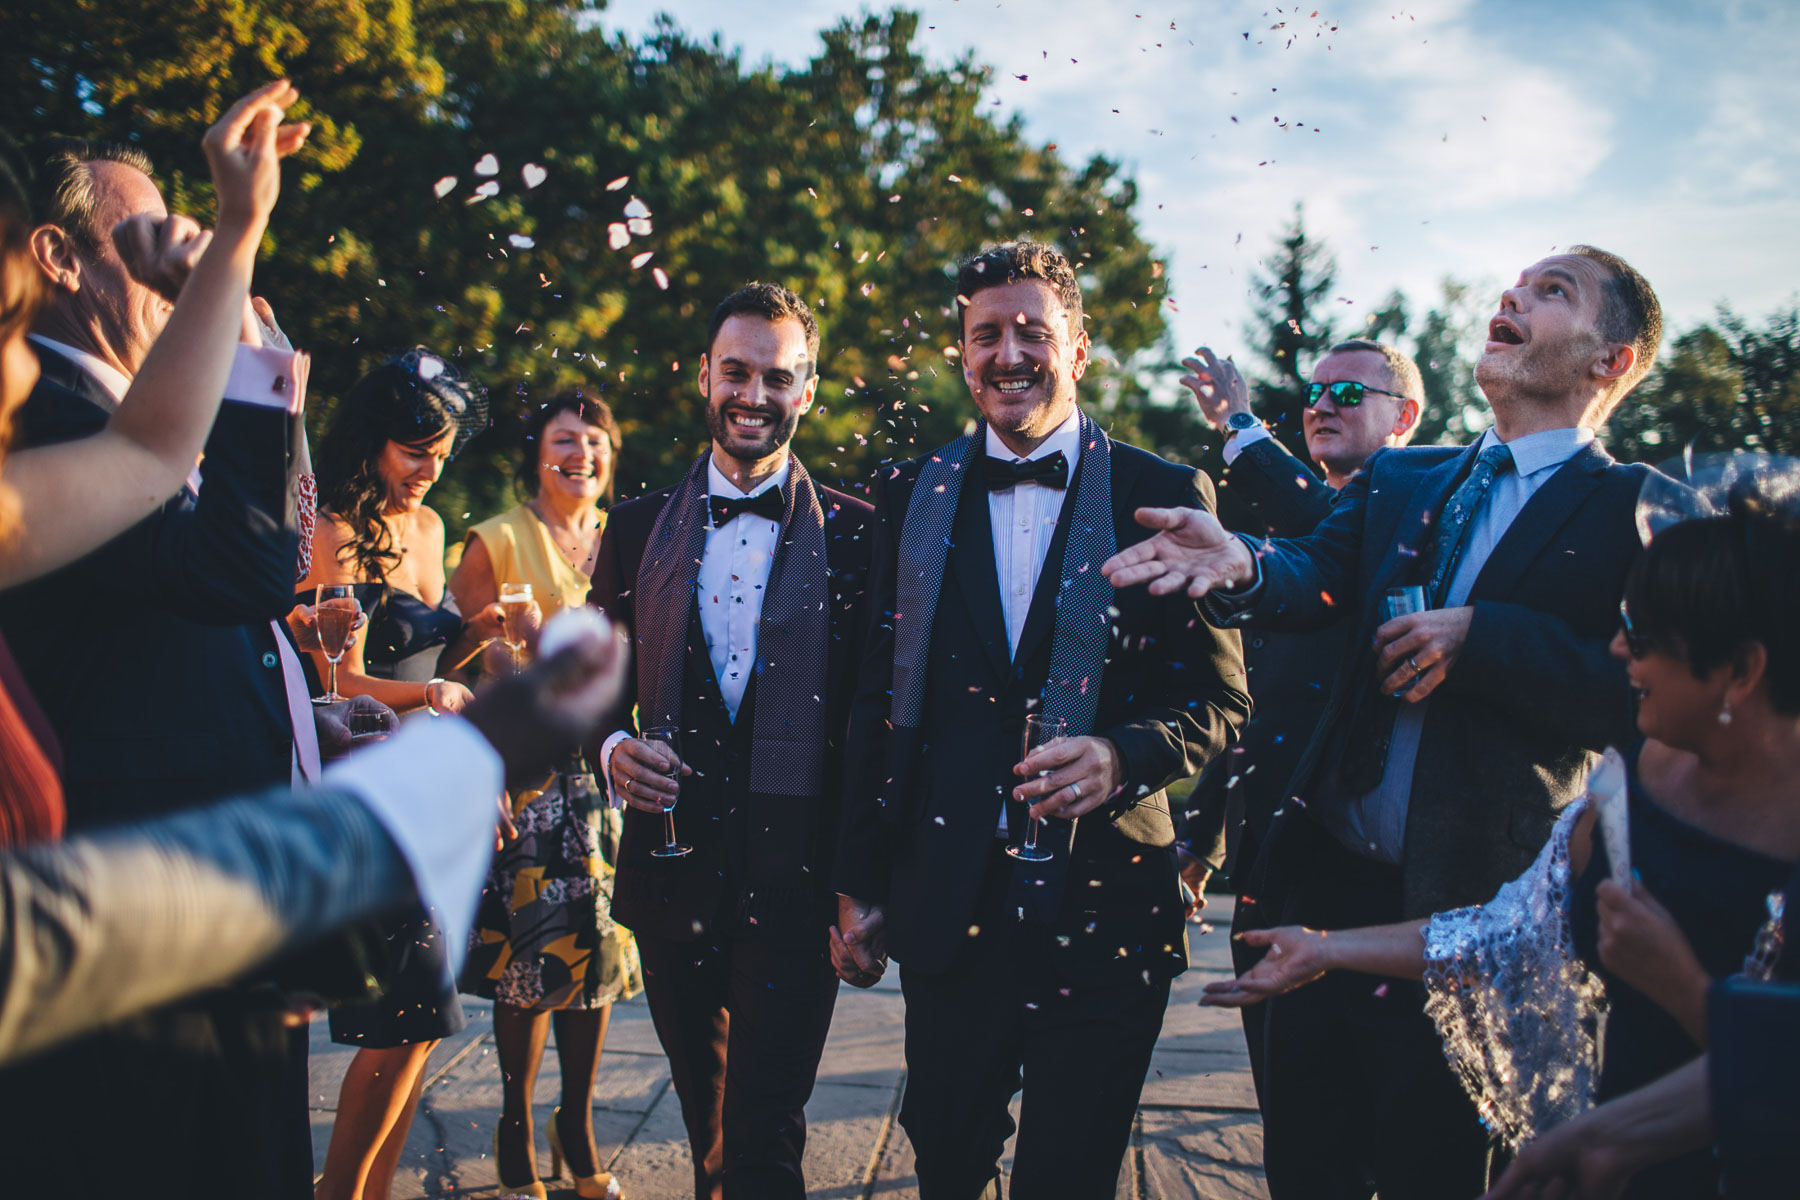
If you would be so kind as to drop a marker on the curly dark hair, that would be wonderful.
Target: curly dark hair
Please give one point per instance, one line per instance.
(413, 398)
(589, 409)
(1705, 588)
(1011, 262)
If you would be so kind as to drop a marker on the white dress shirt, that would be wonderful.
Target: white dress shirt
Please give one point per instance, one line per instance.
(1023, 518)
(729, 588)
(1374, 824)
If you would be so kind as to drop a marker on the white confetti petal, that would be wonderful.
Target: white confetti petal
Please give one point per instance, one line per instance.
(444, 186)
(490, 188)
(487, 164)
(430, 366)
(521, 241)
(617, 237)
(618, 183)
(638, 260)
(533, 174)
(662, 280)
(636, 208)
(639, 226)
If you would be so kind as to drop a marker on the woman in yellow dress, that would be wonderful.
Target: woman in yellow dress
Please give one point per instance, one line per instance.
(545, 948)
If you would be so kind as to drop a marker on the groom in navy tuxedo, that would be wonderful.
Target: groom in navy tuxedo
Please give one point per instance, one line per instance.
(987, 605)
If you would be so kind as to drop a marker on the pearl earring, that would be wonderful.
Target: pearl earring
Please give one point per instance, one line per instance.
(1725, 713)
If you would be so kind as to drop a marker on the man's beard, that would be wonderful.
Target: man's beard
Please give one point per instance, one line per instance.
(1009, 417)
(776, 434)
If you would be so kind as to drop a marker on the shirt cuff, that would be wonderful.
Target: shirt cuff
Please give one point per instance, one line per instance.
(268, 378)
(606, 753)
(435, 787)
(1235, 446)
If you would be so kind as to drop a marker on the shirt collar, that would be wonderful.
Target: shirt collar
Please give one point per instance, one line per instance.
(719, 485)
(105, 374)
(1540, 451)
(1065, 437)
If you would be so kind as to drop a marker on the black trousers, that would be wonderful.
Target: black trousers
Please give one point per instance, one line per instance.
(743, 1020)
(1246, 916)
(206, 1099)
(1357, 1097)
(999, 1019)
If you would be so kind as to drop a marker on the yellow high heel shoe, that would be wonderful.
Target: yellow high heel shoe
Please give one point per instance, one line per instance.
(535, 1189)
(588, 1187)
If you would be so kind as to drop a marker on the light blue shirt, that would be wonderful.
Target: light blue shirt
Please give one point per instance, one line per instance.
(1374, 825)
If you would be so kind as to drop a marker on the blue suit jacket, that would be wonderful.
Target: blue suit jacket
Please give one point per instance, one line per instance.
(1535, 695)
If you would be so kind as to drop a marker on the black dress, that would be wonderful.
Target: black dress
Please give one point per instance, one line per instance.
(1716, 892)
(404, 638)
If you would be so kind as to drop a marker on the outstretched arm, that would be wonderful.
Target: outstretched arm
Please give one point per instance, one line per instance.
(79, 494)
(1297, 956)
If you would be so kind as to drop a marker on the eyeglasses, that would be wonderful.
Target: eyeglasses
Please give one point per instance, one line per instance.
(1637, 644)
(1346, 393)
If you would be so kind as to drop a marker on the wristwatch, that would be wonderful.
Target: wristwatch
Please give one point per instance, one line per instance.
(1238, 422)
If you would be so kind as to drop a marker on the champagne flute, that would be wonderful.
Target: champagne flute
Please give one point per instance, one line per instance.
(335, 611)
(669, 737)
(1039, 731)
(515, 603)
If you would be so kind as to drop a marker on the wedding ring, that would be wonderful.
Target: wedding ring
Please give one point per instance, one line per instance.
(1076, 788)
(1417, 669)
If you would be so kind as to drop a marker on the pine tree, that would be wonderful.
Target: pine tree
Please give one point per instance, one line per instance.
(1290, 327)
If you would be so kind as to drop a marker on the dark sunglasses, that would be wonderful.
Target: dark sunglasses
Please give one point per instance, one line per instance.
(1346, 393)
(1636, 644)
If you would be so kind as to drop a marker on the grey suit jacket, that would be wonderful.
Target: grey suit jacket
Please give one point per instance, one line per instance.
(101, 927)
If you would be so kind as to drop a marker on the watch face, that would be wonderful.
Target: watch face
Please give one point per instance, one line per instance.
(1241, 421)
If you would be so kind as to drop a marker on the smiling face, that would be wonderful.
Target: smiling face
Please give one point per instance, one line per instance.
(574, 459)
(101, 296)
(1544, 342)
(409, 469)
(1342, 438)
(1021, 361)
(1673, 706)
(758, 381)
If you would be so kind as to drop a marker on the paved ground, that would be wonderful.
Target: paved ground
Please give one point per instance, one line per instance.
(1197, 1133)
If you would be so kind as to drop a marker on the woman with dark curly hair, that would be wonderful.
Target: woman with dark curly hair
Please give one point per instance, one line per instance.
(550, 952)
(386, 446)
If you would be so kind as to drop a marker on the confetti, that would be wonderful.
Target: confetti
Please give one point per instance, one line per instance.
(487, 164)
(618, 183)
(521, 241)
(662, 279)
(638, 260)
(636, 208)
(533, 174)
(617, 236)
(444, 186)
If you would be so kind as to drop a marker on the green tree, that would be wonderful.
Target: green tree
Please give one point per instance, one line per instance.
(1444, 347)
(1289, 325)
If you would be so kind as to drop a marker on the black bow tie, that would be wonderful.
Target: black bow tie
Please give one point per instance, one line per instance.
(766, 503)
(1052, 471)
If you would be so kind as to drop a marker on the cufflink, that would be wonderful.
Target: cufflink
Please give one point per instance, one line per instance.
(281, 383)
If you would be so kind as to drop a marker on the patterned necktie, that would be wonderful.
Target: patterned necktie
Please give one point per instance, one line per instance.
(1459, 512)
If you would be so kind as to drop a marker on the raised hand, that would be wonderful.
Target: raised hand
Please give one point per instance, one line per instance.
(537, 718)
(160, 252)
(1191, 551)
(1217, 385)
(1070, 777)
(245, 148)
(1296, 957)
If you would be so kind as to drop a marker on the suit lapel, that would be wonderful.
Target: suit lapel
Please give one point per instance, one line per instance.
(1040, 618)
(1411, 542)
(972, 566)
(1549, 508)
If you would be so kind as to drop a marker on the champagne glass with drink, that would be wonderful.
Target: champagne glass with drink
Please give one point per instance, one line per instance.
(335, 611)
(1039, 731)
(515, 603)
(669, 738)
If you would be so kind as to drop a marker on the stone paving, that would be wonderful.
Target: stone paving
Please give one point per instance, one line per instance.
(1197, 1131)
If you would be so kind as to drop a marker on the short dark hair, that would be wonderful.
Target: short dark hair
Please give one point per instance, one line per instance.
(771, 302)
(1629, 313)
(1010, 262)
(1705, 588)
(64, 193)
(590, 410)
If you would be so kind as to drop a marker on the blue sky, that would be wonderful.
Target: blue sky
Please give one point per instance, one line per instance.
(1452, 137)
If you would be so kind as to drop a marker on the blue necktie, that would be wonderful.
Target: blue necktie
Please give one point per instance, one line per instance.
(1459, 512)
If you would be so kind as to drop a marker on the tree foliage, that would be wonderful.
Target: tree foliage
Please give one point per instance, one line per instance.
(858, 179)
(1290, 325)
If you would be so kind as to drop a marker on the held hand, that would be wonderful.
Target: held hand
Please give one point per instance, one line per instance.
(245, 148)
(1296, 957)
(160, 252)
(1418, 651)
(1190, 551)
(859, 952)
(303, 622)
(1070, 777)
(1573, 1161)
(641, 774)
(488, 623)
(348, 723)
(1194, 876)
(268, 332)
(1641, 944)
(448, 696)
(1217, 386)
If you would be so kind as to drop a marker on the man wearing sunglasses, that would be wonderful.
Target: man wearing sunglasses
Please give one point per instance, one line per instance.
(1453, 736)
(1363, 397)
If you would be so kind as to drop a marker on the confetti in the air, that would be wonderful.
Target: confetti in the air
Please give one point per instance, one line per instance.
(444, 186)
(638, 260)
(533, 174)
(487, 164)
(636, 208)
(521, 242)
(618, 183)
(617, 236)
(662, 280)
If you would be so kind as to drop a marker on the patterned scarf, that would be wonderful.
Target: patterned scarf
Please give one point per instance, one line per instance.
(787, 755)
(1083, 597)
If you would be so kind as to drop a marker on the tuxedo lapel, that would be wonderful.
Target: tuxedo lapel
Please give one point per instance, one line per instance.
(1548, 510)
(977, 580)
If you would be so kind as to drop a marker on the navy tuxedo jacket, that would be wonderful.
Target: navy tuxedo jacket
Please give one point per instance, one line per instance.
(1533, 698)
(1172, 698)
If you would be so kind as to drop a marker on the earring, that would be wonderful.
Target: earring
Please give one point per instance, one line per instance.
(1725, 713)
